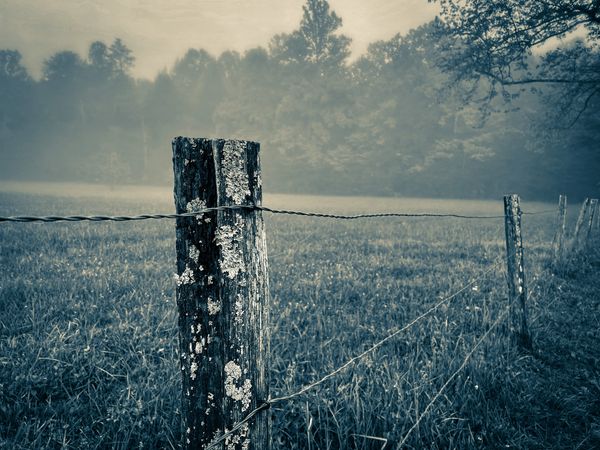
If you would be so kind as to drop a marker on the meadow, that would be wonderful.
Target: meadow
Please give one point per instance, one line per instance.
(88, 336)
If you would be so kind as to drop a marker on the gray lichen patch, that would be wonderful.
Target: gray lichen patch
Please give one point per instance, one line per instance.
(187, 277)
(196, 205)
(240, 437)
(228, 237)
(242, 393)
(239, 310)
(214, 306)
(193, 253)
(234, 171)
(193, 370)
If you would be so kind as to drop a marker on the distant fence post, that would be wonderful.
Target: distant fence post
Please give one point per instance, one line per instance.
(579, 225)
(593, 211)
(516, 274)
(222, 293)
(559, 236)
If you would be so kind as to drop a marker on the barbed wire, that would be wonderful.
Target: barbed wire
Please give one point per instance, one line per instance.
(107, 218)
(267, 404)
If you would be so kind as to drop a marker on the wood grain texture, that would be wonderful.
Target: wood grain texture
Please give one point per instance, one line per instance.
(559, 236)
(222, 292)
(517, 288)
(578, 234)
(593, 210)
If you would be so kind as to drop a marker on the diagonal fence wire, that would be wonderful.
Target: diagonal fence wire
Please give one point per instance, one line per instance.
(453, 376)
(387, 338)
(105, 218)
(352, 360)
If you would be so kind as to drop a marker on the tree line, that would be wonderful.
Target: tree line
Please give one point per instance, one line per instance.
(392, 122)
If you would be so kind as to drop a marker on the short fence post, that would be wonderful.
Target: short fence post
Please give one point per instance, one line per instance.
(516, 274)
(559, 236)
(593, 212)
(579, 225)
(222, 293)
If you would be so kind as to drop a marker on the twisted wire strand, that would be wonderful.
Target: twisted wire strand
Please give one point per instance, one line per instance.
(104, 218)
(370, 215)
(267, 404)
(80, 218)
(534, 213)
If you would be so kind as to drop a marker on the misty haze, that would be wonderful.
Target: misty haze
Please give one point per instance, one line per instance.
(409, 299)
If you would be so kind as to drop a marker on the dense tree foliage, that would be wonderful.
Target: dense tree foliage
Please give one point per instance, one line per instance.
(381, 124)
(496, 42)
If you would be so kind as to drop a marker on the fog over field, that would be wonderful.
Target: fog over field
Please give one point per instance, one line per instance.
(373, 101)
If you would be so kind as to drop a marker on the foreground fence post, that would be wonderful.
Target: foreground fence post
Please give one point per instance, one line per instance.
(222, 292)
(516, 274)
(559, 236)
(579, 225)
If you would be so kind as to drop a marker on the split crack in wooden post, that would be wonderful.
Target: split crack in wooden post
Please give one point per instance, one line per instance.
(222, 293)
(517, 288)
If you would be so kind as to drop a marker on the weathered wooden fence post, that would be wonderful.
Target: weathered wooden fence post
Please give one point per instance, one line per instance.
(517, 288)
(559, 236)
(222, 292)
(579, 225)
(593, 211)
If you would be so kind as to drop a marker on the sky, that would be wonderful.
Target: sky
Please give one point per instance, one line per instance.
(160, 31)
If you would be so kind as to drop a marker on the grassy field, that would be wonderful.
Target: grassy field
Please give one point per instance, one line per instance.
(88, 336)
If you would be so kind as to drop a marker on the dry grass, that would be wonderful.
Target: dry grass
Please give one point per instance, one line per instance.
(88, 331)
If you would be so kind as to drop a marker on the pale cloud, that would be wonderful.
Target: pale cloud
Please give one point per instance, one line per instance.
(160, 31)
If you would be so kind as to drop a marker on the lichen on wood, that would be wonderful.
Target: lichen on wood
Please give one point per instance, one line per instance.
(242, 393)
(228, 237)
(223, 314)
(234, 171)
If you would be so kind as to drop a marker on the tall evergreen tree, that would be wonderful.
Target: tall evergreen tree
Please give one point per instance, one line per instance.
(315, 43)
